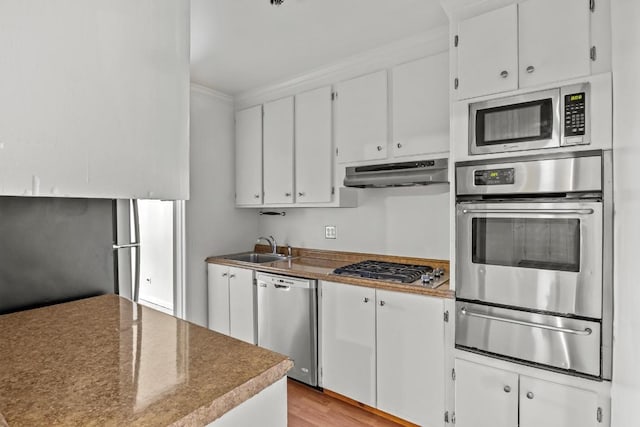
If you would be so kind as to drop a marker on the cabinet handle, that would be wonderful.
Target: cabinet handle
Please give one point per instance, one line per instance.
(365, 300)
(287, 194)
(399, 145)
(507, 389)
(504, 74)
(529, 395)
(379, 147)
(382, 303)
(231, 276)
(224, 274)
(256, 196)
(531, 69)
(300, 194)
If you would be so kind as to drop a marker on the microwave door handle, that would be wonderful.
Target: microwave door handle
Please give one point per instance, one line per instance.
(586, 331)
(530, 211)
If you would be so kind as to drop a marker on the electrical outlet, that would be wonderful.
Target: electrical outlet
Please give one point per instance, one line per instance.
(330, 232)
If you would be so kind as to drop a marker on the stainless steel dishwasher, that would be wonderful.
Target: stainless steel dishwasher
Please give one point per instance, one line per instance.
(287, 313)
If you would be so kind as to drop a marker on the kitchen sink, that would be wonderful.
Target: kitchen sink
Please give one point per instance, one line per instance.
(256, 258)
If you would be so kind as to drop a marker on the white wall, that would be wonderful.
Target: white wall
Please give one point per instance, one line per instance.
(213, 225)
(626, 140)
(410, 221)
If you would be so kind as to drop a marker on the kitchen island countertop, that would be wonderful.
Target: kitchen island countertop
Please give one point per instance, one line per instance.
(108, 361)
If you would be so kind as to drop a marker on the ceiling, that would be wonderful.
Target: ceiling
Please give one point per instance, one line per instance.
(238, 45)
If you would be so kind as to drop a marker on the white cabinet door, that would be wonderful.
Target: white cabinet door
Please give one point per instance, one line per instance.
(410, 368)
(218, 297)
(94, 99)
(421, 106)
(543, 403)
(241, 305)
(485, 397)
(554, 40)
(313, 153)
(488, 53)
(361, 118)
(249, 156)
(349, 341)
(278, 151)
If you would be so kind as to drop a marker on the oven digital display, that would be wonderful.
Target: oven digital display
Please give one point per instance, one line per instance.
(494, 176)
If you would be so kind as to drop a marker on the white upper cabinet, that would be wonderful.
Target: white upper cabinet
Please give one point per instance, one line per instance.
(488, 53)
(554, 40)
(361, 118)
(529, 44)
(313, 146)
(94, 98)
(249, 156)
(421, 106)
(278, 151)
(543, 403)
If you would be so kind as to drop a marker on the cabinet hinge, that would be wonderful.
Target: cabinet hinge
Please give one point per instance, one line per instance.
(455, 83)
(453, 417)
(446, 316)
(592, 53)
(333, 190)
(599, 415)
(456, 40)
(336, 151)
(446, 416)
(334, 96)
(255, 281)
(592, 5)
(453, 374)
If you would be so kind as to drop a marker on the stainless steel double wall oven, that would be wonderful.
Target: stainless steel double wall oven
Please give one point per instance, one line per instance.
(534, 260)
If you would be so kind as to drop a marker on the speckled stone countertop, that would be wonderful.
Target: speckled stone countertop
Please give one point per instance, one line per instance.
(108, 361)
(319, 264)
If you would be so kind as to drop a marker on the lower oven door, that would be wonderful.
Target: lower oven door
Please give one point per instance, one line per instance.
(543, 256)
(558, 342)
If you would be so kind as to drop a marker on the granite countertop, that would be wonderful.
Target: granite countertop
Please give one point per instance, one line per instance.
(319, 264)
(108, 361)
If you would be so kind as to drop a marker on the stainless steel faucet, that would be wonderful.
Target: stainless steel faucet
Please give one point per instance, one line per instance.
(272, 242)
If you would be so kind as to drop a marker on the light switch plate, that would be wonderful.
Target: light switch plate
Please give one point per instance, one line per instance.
(330, 232)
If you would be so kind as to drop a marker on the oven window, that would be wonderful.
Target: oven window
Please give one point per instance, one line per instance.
(546, 244)
(527, 121)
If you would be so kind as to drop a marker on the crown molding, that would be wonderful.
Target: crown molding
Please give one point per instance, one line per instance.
(197, 87)
(389, 55)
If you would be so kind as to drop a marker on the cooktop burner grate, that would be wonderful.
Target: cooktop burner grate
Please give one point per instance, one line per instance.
(390, 271)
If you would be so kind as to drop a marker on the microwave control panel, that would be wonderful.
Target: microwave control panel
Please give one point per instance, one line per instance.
(494, 176)
(574, 116)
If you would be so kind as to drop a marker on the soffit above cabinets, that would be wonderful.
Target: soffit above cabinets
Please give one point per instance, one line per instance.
(238, 45)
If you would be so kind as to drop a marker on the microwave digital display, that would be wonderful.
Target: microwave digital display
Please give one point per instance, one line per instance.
(494, 176)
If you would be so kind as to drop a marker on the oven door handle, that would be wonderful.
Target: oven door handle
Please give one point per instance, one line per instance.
(586, 331)
(530, 211)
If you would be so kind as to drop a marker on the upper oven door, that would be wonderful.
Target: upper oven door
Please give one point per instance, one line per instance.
(522, 122)
(541, 256)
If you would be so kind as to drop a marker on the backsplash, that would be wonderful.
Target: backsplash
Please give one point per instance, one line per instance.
(412, 221)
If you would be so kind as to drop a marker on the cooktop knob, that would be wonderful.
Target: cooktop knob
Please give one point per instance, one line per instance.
(426, 278)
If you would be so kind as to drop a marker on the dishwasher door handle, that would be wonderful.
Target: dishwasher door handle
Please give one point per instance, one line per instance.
(282, 287)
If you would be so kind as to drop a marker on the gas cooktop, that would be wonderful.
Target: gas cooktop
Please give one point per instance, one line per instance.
(394, 272)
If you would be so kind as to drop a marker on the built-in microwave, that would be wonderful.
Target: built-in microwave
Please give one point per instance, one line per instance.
(549, 118)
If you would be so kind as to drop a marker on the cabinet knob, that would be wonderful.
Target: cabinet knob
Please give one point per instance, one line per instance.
(224, 274)
(231, 276)
(531, 69)
(379, 147)
(300, 194)
(504, 74)
(399, 145)
(287, 194)
(256, 196)
(365, 300)
(529, 395)
(507, 389)
(382, 303)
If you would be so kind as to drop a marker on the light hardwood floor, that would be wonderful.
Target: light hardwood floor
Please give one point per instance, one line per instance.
(309, 407)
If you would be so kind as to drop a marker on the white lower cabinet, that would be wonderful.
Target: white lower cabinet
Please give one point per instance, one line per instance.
(231, 301)
(491, 397)
(384, 349)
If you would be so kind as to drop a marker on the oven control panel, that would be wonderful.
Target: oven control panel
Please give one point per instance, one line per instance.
(504, 176)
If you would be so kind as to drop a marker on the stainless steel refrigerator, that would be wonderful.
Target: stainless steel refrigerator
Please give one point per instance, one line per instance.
(55, 250)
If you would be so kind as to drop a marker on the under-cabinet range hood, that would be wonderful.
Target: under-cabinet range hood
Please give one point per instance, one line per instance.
(421, 172)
